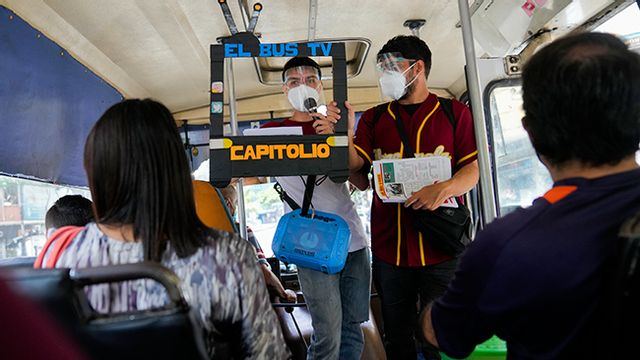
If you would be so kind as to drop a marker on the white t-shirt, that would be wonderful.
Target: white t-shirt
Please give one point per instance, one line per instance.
(202, 172)
(331, 198)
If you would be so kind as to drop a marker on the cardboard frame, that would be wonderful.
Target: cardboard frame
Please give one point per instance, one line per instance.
(247, 156)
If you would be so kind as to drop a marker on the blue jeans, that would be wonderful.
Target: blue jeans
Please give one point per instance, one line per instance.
(338, 303)
(399, 289)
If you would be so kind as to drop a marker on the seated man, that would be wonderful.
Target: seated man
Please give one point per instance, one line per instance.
(69, 210)
(536, 277)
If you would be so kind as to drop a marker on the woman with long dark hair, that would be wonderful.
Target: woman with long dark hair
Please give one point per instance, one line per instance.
(144, 210)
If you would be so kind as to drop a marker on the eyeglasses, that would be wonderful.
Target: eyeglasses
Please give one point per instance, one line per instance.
(295, 81)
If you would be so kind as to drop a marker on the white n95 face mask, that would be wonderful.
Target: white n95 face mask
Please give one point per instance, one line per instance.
(393, 84)
(300, 98)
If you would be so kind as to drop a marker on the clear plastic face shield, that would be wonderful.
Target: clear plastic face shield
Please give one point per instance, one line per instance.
(304, 89)
(393, 70)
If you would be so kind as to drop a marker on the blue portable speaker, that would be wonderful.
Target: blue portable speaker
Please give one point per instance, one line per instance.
(320, 242)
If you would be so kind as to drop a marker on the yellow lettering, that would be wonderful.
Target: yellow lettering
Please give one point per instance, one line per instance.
(280, 149)
(293, 151)
(304, 155)
(234, 152)
(249, 153)
(323, 151)
(262, 150)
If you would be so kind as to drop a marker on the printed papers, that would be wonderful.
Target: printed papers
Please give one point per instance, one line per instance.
(395, 180)
(285, 130)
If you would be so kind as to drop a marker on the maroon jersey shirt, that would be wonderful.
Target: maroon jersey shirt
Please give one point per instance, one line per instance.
(393, 237)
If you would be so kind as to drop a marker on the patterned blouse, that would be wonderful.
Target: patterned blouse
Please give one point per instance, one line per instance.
(221, 282)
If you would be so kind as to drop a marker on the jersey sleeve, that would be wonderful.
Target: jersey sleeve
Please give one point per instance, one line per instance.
(363, 139)
(464, 138)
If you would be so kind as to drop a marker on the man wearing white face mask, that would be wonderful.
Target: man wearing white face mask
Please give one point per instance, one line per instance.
(338, 303)
(405, 264)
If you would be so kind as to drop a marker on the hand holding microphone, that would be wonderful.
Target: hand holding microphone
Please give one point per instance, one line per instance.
(325, 117)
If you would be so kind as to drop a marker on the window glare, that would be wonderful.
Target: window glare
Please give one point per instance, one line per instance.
(521, 177)
(626, 22)
(23, 205)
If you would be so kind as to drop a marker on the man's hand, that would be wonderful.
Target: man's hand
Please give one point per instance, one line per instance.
(432, 196)
(272, 282)
(326, 124)
(429, 197)
(426, 325)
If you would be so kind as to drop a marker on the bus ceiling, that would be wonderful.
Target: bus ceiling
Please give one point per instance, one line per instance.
(159, 49)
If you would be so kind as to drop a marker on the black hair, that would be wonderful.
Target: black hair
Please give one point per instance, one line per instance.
(300, 61)
(411, 47)
(139, 175)
(582, 100)
(69, 210)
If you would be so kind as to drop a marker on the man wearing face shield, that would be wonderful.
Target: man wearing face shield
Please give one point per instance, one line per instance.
(338, 303)
(405, 265)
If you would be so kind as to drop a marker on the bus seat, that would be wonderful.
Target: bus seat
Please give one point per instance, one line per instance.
(18, 261)
(296, 328)
(169, 332)
(211, 208)
(53, 290)
(295, 322)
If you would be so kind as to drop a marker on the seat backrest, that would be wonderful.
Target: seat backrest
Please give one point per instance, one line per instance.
(211, 208)
(169, 332)
(148, 335)
(18, 261)
(52, 289)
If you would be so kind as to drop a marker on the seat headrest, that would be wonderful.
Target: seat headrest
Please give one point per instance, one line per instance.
(210, 207)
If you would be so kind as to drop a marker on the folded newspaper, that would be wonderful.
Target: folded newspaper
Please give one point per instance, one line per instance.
(395, 180)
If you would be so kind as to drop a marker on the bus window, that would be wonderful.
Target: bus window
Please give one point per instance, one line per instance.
(520, 176)
(625, 24)
(263, 209)
(23, 205)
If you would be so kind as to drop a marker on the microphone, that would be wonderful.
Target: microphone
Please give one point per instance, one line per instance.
(310, 104)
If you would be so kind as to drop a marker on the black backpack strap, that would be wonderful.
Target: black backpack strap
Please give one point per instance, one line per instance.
(285, 197)
(378, 111)
(447, 107)
(308, 194)
(401, 131)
